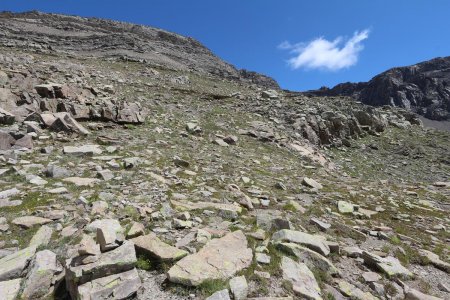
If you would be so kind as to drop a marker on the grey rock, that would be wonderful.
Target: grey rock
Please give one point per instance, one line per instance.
(13, 265)
(42, 236)
(388, 265)
(115, 261)
(311, 258)
(82, 150)
(118, 286)
(313, 242)
(9, 290)
(239, 287)
(220, 295)
(55, 171)
(30, 221)
(153, 247)
(303, 282)
(109, 237)
(40, 277)
(218, 259)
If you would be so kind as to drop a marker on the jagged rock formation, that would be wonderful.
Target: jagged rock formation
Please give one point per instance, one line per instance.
(104, 38)
(423, 88)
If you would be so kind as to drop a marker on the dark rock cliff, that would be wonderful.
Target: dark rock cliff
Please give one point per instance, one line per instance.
(423, 88)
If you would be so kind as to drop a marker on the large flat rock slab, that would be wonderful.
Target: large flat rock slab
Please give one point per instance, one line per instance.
(313, 242)
(388, 265)
(89, 150)
(30, 221)
(188, 205)
(118, 286)
(218, 259)
(115, 261)
(152, 246)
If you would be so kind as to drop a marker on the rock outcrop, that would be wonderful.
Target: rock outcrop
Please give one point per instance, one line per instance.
(423, 88)
(117, 40)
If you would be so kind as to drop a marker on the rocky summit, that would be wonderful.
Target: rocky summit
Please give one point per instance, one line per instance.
(423, 88)
(135, 164)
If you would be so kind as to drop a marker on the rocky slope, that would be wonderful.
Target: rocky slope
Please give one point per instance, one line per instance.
(122, 179)
(91, 37)
(423, 88)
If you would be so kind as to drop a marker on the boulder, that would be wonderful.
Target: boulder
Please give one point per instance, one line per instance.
(218, 259)
(13, 265)
(30, 221)
(436, 261)
(388, 265)
(239, 287)
(40, 277)
(42, 236)
(80, 181)
(311, 258)
(6, 141)
(413, 294)
(109, 237)
(136, 230)
(303, 282)
(220, 295)
(89, 150)
(118, 286)
(6, 118)
(10, 289)
(119, 260)
(24, 142)
(66, 123)
(349, 290)
(153, 247)
(313, 242)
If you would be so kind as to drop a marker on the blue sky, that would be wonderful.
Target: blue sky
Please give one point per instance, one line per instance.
(302, 44)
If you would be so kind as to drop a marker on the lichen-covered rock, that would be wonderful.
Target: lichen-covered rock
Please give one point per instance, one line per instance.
(40, 277)
(13, 265)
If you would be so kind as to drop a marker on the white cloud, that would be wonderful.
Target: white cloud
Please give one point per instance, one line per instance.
(323, 54)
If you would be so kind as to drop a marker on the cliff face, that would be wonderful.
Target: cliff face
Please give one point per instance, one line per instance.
(93, 37)
(423, 88)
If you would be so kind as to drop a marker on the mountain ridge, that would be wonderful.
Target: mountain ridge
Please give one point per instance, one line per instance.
(120, 40)
(423, 88)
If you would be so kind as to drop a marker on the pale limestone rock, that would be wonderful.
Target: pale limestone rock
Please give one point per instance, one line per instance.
(388, 265)
(82, 150)
(313, 242)
(303, 282)
(239, 287)
(218, 259)
(39, 279)
(42, 236)
(12, 266)
(311, 258)
(118, 286)
(30, 221)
